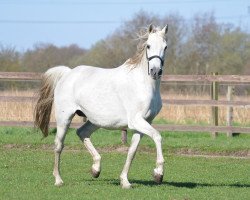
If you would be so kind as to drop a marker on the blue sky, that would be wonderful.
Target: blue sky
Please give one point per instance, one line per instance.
(24, 23)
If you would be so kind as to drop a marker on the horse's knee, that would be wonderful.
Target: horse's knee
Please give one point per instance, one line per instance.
(58, 146)
(157, 137)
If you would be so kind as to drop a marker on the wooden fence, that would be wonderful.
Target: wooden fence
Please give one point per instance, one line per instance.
(226, 79)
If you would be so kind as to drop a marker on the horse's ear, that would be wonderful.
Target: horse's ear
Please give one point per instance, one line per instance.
(150, 28)
(165, 29)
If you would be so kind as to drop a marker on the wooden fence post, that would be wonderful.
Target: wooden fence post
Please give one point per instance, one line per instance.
(214, 96)
(124, 136)
(230, 92)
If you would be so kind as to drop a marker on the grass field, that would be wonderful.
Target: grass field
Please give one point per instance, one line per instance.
(26, 164)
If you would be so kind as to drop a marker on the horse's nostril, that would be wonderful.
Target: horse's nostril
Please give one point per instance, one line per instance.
(160, 72)
(153, 71)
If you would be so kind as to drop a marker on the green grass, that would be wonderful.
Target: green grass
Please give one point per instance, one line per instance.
(172, 141)
(28, 175)
(26, 168)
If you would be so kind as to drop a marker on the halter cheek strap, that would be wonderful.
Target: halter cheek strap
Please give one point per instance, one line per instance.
(151, 57)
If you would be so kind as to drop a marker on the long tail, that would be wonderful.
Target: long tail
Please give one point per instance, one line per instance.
(46, 97)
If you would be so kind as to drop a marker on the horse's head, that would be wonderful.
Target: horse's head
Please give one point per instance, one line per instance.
(156, 47)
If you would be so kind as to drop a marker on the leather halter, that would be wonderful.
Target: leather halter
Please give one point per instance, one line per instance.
(152, 57)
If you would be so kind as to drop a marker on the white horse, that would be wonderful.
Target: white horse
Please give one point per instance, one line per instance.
(126, 96)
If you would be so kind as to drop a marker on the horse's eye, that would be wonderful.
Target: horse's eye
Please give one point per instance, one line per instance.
(165, 48)
(148, 46)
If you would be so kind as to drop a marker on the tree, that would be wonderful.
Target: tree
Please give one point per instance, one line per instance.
(201, 46)
(9, 59)
(45, 56)
(233, 54)
(177, 35)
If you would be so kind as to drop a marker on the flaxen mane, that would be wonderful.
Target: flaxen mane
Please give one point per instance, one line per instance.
(136, 59)
(142, 36)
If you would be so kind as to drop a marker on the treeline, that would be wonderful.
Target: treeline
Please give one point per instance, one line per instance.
(198, 46)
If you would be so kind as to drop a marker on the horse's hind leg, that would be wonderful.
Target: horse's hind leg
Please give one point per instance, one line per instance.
(59, 140)
(63, 121)
(84, 132)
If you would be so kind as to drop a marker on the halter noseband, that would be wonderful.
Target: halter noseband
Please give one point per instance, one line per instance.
(151, 57)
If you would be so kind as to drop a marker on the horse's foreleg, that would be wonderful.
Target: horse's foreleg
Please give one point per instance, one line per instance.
(84, 133)
(143, 126)
(131, 154)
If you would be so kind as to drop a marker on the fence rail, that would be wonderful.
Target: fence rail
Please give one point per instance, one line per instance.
(230, 79)
(187, 102)
(207, 78)
(17, 99)
(166, 78)
(184, 102)
(20, 76)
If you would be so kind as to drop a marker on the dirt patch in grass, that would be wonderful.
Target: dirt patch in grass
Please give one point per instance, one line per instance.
(124, 149)
(197, 153)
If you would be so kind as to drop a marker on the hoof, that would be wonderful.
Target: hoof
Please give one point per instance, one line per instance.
(95, 174)
(59, 183)
(126, 186)
(158, 178)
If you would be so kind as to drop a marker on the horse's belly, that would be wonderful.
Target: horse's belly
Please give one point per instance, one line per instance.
(106, 116)
(108, 121)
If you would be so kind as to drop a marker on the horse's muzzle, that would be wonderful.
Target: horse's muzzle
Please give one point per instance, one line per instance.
(156, 73)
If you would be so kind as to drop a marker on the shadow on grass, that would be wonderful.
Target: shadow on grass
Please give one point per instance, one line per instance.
(194, 185)
(189, 185)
